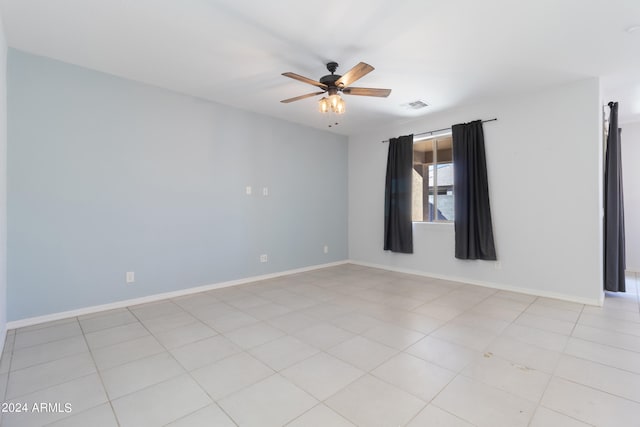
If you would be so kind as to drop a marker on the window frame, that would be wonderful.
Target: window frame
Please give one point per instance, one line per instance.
(434, 141)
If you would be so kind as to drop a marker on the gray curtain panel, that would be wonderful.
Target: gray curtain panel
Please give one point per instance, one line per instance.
(614, 253)
(398, 228)
(473, 227)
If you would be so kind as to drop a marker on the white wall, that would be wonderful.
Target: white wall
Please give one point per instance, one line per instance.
(544, 166)
(631, 188)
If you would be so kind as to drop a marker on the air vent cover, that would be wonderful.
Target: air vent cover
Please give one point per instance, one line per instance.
(416, 105)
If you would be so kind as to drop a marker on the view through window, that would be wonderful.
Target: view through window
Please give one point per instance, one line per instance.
(433, 180)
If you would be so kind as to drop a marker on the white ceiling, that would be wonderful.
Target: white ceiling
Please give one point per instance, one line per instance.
(445, 53)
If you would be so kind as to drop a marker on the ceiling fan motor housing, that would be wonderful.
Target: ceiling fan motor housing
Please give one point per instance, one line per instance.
(330, 79)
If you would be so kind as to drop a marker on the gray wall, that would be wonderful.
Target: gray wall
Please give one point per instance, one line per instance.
(108, 175)
(3, 185)
(544, 160)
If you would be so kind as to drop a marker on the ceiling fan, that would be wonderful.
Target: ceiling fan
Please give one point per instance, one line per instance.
(334, 84)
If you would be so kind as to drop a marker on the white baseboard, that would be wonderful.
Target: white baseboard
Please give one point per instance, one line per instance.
(156, 297)
(528, 291)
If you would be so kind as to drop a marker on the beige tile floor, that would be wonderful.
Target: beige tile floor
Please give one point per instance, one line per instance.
(341, 346)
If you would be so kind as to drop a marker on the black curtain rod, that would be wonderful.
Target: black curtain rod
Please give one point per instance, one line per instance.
(431, 132)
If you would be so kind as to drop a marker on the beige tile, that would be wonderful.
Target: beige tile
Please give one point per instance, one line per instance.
(363, 353)
(483, 405)
(553, 312)
(438, 311)
(356, 323)
(283, 352)
(418, 322)
(254, 335)
(231, 374)
(614, 339)
(117, 354)
(155, 309)
(247, 301)
(186, 334)
(322, 375)
(547, 340)
(41, 353)
(323, 335)
(393, 336)
(5, 362)
(292, 322)
(488, 358)
(524, 354)
(98, 416)
(209, 416)
(487, 323)
(267, 311)
(141, 373)
(29, 337)
(4, 378)
(320, 416)
(414, 375)
(516, 379)
(547, 418)
(82, 393)
(610, 324)
(607, 355)
(45, 325)
(432, 416)
(467, 336)
(48, 374)
(115, 335)
(559, 304)
(443, 353)
(195, 301)
(589, 405)
(545, 323)
(161, 324)
(272, 402)
(605, 378)
(613, 314)
(204, 352)
(371, 402)
(106, 319)
(230, 321)
(160, 403)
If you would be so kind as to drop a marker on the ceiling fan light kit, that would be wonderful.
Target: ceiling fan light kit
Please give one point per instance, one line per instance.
(333, 103)
(334, 84)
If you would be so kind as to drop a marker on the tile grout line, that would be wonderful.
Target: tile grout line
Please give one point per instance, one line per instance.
(186, 371)
(555, 368)
(104, 388)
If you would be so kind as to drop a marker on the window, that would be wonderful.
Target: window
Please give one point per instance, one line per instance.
(432, 190)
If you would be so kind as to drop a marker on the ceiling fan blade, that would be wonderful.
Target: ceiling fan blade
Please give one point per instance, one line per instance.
(367, 91)
(354, 74)
(298, 98)
(305, 80)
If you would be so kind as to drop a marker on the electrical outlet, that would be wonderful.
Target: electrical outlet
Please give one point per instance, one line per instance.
(130, 277)
(265, 191)
(264, 258)
(248, 190)
(326, 249)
